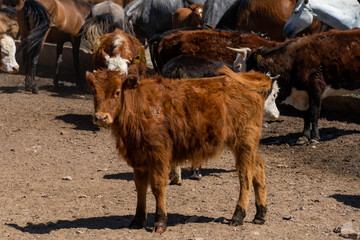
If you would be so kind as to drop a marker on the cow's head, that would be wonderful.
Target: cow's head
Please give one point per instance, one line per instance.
(8, 50)
(240, 60)
(116, 63)
(108, 88)
(271, 111)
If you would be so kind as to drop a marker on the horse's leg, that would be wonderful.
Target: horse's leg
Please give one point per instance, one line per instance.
(260, 191)
(158, 181)
(75, 51)
(141, 178)
(59, 50)
(34, 86)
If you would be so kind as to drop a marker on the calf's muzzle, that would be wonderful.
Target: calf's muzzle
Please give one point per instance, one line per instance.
(103, 119)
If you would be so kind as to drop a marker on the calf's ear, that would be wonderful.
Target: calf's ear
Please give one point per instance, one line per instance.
(131, 82)
(90, 78)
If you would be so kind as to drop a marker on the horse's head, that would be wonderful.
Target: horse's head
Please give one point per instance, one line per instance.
(300, 18)
(17, 4)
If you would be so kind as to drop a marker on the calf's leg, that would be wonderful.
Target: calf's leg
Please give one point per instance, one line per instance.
(158, 182)
(245, 163)
(260, 191)
(141, 178)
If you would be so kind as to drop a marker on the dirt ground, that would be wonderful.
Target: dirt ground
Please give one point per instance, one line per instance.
(62, 179)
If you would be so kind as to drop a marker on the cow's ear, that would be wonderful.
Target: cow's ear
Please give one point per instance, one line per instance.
(132, 81)
(90, 78)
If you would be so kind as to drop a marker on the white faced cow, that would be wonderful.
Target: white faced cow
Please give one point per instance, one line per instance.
(8, 49)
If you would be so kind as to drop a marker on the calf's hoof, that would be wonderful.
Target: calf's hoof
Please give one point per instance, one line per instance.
(175, 182)
(159, 227)
(260, 215)
(302, 140)
(195, 175)
(236, 222)
(314, 142)
(238, 218)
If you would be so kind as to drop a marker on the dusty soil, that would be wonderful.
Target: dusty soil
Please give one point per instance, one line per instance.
(62, 179)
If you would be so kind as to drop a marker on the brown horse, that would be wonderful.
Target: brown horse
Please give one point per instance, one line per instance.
(56, 21)
(262, 16)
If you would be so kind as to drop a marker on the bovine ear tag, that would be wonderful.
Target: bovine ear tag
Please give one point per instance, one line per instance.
(131, 82)
(259, 57)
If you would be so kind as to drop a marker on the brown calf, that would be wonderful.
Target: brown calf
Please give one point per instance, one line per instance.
(119, 51)
(188, 17)
(160, 121)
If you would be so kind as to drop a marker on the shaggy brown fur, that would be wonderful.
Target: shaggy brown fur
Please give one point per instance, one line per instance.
(209, 44)
(312, 64)
(129, 48)
(188, 17)
(162, 121)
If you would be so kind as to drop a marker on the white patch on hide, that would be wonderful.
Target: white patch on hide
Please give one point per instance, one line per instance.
(117, 63)
(299, 99)
(118, 40)
(8, 51)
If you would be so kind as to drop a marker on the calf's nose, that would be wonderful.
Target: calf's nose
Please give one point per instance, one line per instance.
(102, 118)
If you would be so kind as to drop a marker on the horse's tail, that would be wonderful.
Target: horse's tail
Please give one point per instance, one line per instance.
(37, 18)
(96, 26)
(154, 51)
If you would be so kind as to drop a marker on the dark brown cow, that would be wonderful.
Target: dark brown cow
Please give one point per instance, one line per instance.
(312, 68)
(119, 51)
(188, 17)
(159, 121)
(210, 44)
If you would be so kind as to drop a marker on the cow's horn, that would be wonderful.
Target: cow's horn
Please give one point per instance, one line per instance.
(276, 77)
(239, 50)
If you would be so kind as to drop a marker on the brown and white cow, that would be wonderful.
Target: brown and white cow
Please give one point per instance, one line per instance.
(205, 43)
(119, 51)
(312, 68)
(188, 17)
(158, 121)
(8, 50)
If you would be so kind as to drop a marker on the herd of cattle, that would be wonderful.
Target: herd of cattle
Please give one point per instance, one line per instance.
(230, 80)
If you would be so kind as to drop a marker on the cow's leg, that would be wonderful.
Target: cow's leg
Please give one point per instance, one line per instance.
(141, 178)
(315, 106)
(260, 191)
(306, 132)
(158, 181)
(75, 51)
(175, 175)
(59, 50)
(245, 165)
